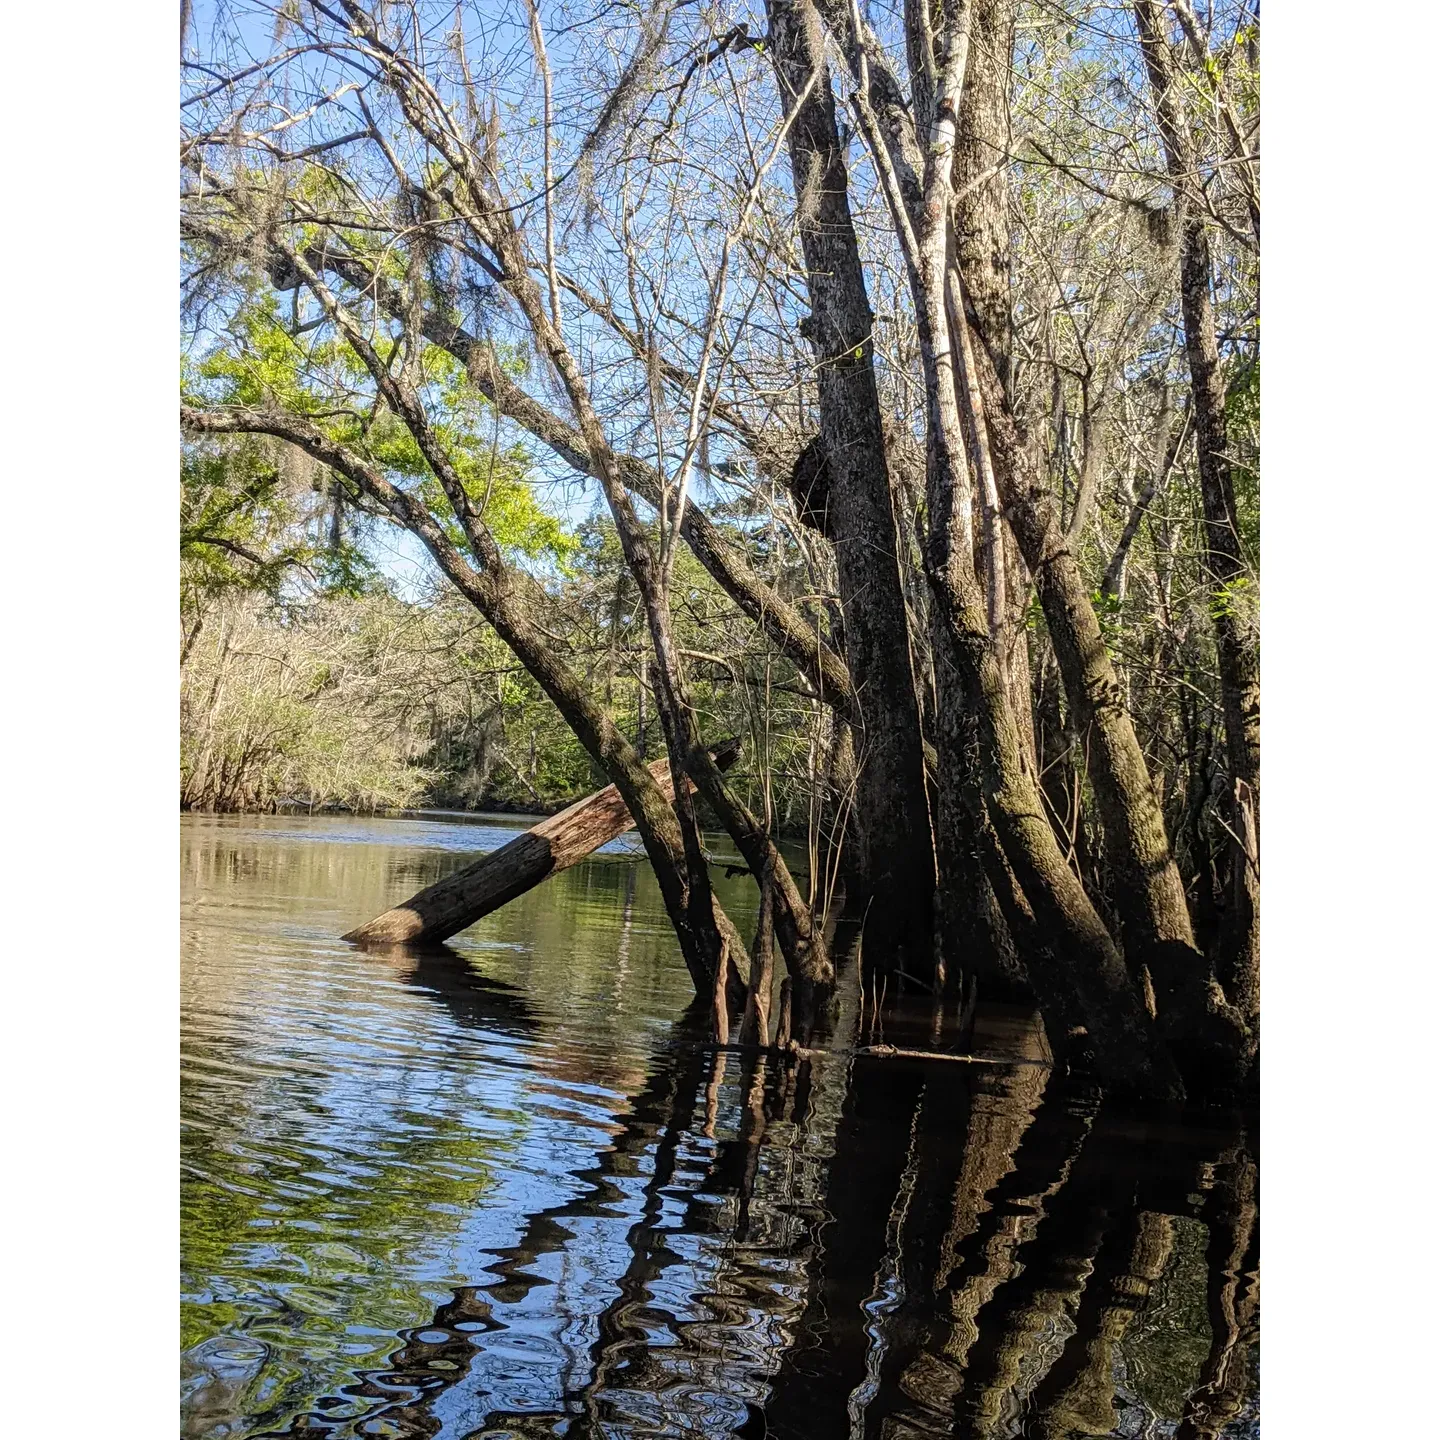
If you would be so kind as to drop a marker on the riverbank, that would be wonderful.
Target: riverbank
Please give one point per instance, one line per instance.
(496, 807)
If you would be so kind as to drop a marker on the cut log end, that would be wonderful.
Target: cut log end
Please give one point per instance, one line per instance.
(395, 927)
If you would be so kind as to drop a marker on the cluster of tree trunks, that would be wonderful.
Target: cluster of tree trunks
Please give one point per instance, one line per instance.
(956, 860)
(1157, 1009)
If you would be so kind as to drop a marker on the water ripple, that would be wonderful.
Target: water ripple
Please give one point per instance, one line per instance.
(495, 1191)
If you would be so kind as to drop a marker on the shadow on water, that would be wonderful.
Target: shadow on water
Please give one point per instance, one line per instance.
(663, 1240)
(472, 1000)
(912, 1287)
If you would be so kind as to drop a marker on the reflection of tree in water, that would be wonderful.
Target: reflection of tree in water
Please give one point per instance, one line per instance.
(915, 1249)
(806, 1247)
(1232, 1216)
(351, 1118)
(611, 1368)
(1027, 1256)
(321, 1195)
(1077, 1395)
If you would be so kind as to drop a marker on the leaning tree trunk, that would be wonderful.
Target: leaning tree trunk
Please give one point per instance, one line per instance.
(1224, 560)
(700, 920)
(510, 600)
(459, 900)
(800, 940)
(892, 810)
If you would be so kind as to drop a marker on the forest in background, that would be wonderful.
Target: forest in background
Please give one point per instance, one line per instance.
(910, 356)
(311, 678)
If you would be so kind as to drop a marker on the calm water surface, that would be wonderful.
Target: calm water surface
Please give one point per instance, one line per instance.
(505, 1190)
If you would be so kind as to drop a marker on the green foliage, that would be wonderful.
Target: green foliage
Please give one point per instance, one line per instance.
(1034, 614)
(1108, 610)
(249, 521)
(1237, 599)
(1242, 422)
(262, 363)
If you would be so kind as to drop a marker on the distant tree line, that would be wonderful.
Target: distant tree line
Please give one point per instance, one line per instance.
(307, 681)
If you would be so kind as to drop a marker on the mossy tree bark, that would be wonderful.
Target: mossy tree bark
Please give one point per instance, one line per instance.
(1207, 1032)
(1090, 971)
(892, 810)
(1223, 554)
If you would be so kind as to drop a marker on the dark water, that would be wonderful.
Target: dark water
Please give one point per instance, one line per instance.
(506, 1191)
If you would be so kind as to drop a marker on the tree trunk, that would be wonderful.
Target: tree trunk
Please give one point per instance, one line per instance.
(1224, 560)
(976, 937)
(803, 946)
(982, 231)
(1149, 894)
(1086, 965)
(801, 941)
(459, 900)
(1090, 976)
(892, 812)
(1017, 648)
(755, 1024)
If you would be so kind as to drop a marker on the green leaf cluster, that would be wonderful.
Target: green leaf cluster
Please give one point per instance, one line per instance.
(262, 362)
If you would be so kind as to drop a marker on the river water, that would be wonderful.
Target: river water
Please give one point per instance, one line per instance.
(506, 1190)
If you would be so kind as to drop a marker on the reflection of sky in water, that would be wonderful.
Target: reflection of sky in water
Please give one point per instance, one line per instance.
(359, 1132)
(484, 1192)
(454, 831)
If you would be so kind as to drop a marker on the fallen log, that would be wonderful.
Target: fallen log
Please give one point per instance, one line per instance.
(450, 905)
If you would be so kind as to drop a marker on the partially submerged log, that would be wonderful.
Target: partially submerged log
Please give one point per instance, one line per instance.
(450, 905)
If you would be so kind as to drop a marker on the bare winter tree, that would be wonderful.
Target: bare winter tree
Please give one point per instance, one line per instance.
(877, 319)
